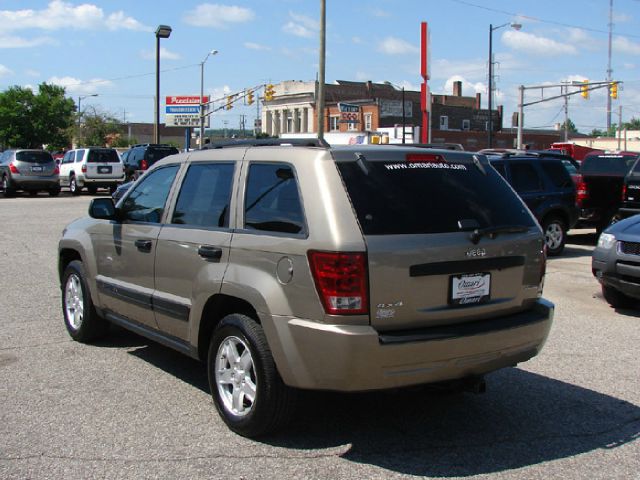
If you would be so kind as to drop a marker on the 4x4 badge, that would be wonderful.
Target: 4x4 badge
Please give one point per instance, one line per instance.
(476, 252)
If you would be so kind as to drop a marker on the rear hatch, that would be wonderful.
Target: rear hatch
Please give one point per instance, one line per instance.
(103, 163)
(35, 163)
(153, 154)
(631, 191)
(603, 177)
(448, 240)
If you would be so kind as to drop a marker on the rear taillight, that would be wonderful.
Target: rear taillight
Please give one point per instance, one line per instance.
(341, 281)
(543, 269)
(582, 191)
(13, 169)
(144, 165)
(84, 168)
(56, 171)
(624, 192)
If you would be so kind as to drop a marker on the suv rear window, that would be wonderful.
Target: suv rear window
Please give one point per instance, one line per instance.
(103, 156)
(154, 154)
(34, 157)
(608, 164)
(392, 198)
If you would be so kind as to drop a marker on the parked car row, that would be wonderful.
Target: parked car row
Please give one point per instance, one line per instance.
(89, 168)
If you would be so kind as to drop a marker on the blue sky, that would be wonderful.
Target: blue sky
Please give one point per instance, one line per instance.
(108, 48)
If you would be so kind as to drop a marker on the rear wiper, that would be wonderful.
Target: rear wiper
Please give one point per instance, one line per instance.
(477, 163)
(493, 231)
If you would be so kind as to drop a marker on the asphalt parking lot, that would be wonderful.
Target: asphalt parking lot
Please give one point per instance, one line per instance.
(129, 408)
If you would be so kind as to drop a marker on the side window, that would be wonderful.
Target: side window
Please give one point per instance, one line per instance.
(147, 200)
(524, 177)
(205, 195)
(79, 155)
(558, 173)
(272, 202)
(68, 157)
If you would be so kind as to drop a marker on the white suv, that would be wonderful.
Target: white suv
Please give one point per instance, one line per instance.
(91, 167)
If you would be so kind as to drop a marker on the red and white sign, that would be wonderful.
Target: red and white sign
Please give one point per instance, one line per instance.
(186, 100)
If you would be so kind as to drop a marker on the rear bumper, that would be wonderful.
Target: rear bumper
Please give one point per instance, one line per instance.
(357, 358)
(99, 182)
(25, 182)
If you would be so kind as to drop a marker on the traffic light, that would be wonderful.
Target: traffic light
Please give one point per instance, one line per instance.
(250, 99)
(269, 92)
(613, 90)
(584, 89)
(229, 105)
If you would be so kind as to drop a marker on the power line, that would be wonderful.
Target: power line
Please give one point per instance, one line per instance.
(540, 20)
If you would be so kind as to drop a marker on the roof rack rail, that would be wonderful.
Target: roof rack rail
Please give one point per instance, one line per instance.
(269, 142)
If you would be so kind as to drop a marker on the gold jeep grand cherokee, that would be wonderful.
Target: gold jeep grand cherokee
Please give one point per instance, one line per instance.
(302, 266)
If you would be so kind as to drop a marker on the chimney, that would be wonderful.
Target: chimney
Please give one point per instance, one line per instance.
(457, 88)
(369, 87)
(478, 99)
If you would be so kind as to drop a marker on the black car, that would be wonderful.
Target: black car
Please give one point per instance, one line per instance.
(140, 157)
(616, 262)
(545, 185)
(631, 192)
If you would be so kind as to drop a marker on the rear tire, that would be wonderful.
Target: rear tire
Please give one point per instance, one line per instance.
(555, 235)
(73, 186)
(33, 193)
(54, 192)
(80, 317)
(616, 298)
(245, 385)
(92, 190)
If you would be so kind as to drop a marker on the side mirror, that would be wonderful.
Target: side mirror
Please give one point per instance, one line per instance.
(103, 208)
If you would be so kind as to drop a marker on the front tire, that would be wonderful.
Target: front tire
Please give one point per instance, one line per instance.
(245, 385)
(616, 298)
(80, 317)
(555, 235)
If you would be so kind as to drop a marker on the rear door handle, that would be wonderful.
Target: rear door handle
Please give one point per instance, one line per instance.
(143, 245)
(210, 252)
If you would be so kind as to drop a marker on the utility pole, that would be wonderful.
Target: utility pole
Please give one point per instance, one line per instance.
(619, 125)
(321, 75)
(609, 70)
(566, 115)
(520, 116)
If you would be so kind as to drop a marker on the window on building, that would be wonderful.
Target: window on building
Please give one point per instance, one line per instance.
(333, 123)
(368, 122)
(352, 126)
(444, 122)
(466, 125)
(289, 123)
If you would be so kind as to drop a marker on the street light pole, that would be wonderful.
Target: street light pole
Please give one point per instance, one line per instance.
(80, 98)
(403, 116)
(163, 31)
(515, 26)
(212, 52)
(321, 70)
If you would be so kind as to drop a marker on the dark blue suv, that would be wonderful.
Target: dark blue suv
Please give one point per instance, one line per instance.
(545, 185)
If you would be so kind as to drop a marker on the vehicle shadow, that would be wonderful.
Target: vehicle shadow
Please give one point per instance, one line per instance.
(523, 419)
(589, 238)
(571, 252)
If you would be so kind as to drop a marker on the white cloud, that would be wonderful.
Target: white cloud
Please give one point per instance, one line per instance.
(32, 73)
(396, 46)
(580, 39)
(536, 45)
(443, 68)
(256, 46)
(75, 86)
(60, 14)
(164, 54)
(357, 40)
(118, 20)
(378, 12)
(4, 71)
(469, 89)
(301, 26)
(624, 45)
(18, 42)
(217, 16)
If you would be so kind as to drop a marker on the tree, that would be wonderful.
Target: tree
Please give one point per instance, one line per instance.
(571, 125)
(633, 124)
(97, 129)
(30, 120)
